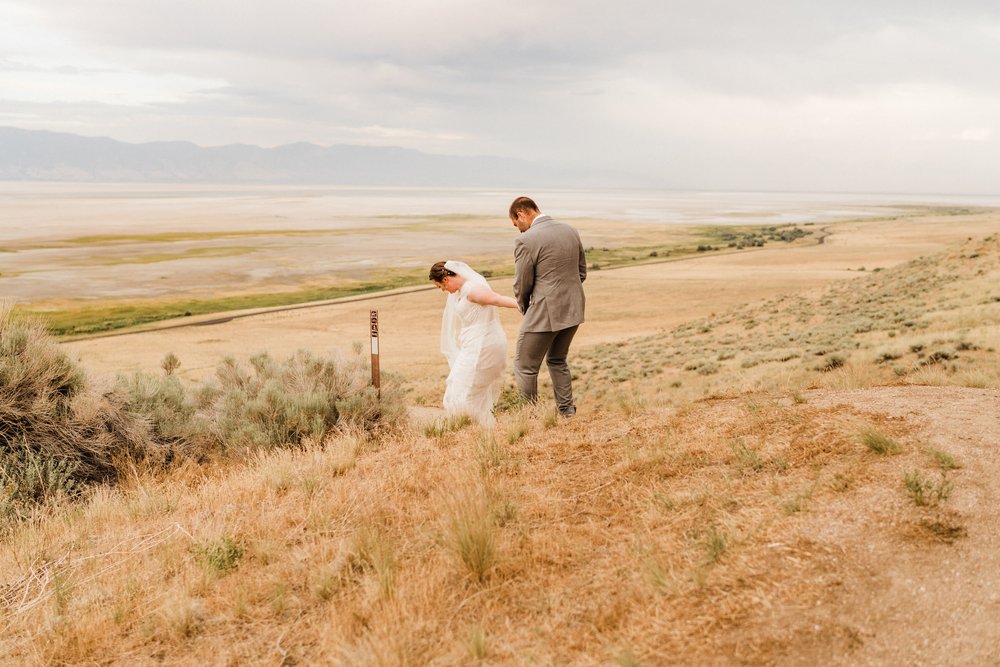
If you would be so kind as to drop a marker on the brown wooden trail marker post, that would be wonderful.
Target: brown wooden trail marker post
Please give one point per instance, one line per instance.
(376, 380)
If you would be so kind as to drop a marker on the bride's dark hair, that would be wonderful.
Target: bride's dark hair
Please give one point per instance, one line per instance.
(439, 273)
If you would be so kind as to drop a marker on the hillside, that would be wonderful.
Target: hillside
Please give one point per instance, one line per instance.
(803, 511)
(33, 155)
(930, 320)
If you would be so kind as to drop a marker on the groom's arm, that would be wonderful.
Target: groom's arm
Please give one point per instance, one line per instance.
(524, 275)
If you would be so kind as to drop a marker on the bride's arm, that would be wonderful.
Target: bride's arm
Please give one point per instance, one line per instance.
(485, 296)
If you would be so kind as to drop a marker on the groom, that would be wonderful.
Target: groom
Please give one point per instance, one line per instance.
(550, 268)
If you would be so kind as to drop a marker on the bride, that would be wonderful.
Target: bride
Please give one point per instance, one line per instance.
(472, 340)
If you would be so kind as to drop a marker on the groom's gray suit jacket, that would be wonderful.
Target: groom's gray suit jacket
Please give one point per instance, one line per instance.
(550, 268)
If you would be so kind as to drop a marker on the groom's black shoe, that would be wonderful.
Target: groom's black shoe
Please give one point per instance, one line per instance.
(568, 412)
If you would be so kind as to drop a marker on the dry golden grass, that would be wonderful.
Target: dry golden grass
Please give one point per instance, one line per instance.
(660, 535)
(753, 525)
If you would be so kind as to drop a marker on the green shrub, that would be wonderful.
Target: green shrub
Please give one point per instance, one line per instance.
(275, 403)
(887, 355)
(29, 478)
(708, 368)
(170, 363)
(163, 402)
(830, 362)
(57, 434)
(219, 557)
(263, 403)
(941, 354)
(925, 492)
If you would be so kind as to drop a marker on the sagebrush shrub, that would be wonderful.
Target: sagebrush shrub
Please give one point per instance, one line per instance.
(37, 380)
(163, 402)
(29, 478)
(268, 403)
(49, 414)
(58, 434)
(263, 403)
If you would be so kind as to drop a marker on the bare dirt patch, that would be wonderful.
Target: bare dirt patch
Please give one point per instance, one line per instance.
(918, 585)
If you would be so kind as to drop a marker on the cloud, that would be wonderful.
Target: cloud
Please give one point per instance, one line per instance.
(810, 40)
(394, 134)
(977, 134)
(702, 94)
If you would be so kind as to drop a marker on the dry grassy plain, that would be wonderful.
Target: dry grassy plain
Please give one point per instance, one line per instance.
(727, 495)
(622, 303)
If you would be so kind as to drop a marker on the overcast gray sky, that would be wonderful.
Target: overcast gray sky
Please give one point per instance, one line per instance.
(840, 95)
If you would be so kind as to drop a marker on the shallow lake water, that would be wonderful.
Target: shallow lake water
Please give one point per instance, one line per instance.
(268, 237)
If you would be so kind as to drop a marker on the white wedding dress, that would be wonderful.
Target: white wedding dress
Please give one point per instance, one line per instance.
(476, 348)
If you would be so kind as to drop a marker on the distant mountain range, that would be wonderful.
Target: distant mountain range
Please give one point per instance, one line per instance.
(33, 155)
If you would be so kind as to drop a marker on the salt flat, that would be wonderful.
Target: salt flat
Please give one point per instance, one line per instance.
(70, 242)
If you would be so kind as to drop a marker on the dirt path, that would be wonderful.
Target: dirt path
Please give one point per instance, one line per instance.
(912, 596)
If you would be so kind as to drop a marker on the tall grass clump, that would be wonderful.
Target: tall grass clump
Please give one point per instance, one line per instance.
(747, 460)
(471, 534)
(447, 425)
(715, 542)
(374, 553)
(943, 459)
(878, 442)
(477, 643)
(490, 454)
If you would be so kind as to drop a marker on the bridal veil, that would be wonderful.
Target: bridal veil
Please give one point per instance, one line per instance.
(451, 324)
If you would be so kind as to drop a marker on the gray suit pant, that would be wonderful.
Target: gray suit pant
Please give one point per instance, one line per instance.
(553, 346)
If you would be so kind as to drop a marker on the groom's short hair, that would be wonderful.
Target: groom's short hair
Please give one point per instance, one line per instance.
(522, 204)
